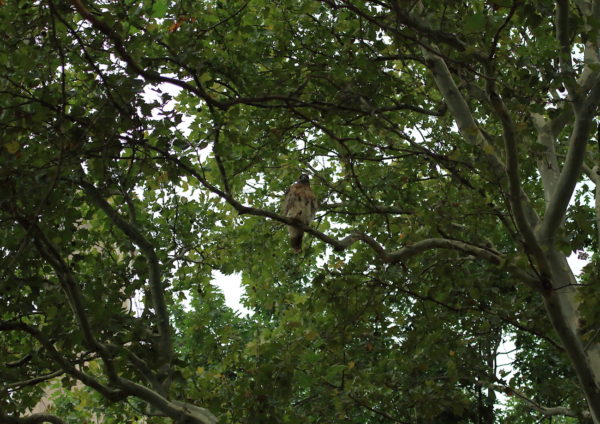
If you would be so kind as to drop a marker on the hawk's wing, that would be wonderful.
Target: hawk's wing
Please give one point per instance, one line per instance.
(285, 205)
(313, 205)
(300, 203)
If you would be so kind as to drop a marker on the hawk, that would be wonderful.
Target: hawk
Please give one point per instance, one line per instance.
(299, 203)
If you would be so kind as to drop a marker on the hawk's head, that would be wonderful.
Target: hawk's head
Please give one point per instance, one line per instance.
(304, 179)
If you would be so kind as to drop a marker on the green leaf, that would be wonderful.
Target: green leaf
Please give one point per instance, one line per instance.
(12, 146)
(159, 8)
(205, 77)
(474, 23)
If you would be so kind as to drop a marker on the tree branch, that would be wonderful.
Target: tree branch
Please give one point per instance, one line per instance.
(154, 272)
(109, 393)
(506, 174)
(124, 54)
(180, 411)
(144, 369)
(173, 409)
(33, 381)
(31, 419)
(564, 57)
(548, 163)
(406, 252)
(516, 196)
(557, 206)
(71, 288)
(544, 410)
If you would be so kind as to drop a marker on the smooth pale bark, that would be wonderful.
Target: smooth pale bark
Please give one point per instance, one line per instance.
(562, 307)
(547, 164)
(557, 283)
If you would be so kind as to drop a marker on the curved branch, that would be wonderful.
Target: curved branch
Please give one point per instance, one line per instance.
(180, 411)
(406, 252)
(33, 381)
(147, 248)
(532, 404)
(17, 385)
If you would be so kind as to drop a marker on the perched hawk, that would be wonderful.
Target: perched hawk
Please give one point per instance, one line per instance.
(299, 203)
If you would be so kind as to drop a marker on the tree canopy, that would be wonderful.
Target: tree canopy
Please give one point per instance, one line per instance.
(453, 147)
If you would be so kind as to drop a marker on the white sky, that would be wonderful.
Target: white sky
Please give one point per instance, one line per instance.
(231, 287)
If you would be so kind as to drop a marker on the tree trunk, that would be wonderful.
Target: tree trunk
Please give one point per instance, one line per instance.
(562, 307)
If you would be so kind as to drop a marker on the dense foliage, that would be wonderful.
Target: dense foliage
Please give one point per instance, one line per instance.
(147, 145)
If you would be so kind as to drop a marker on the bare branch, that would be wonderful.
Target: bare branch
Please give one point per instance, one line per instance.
(544, 410)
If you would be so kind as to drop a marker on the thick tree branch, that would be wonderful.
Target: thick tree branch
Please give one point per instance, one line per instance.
(557, 207)
(31, 419)
(154, 271)
(548, 163)
(459, 108)
(516, 196)
(179, 411)
(544, 410)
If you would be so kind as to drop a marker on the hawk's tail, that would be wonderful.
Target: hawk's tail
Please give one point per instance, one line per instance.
(296, 239)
